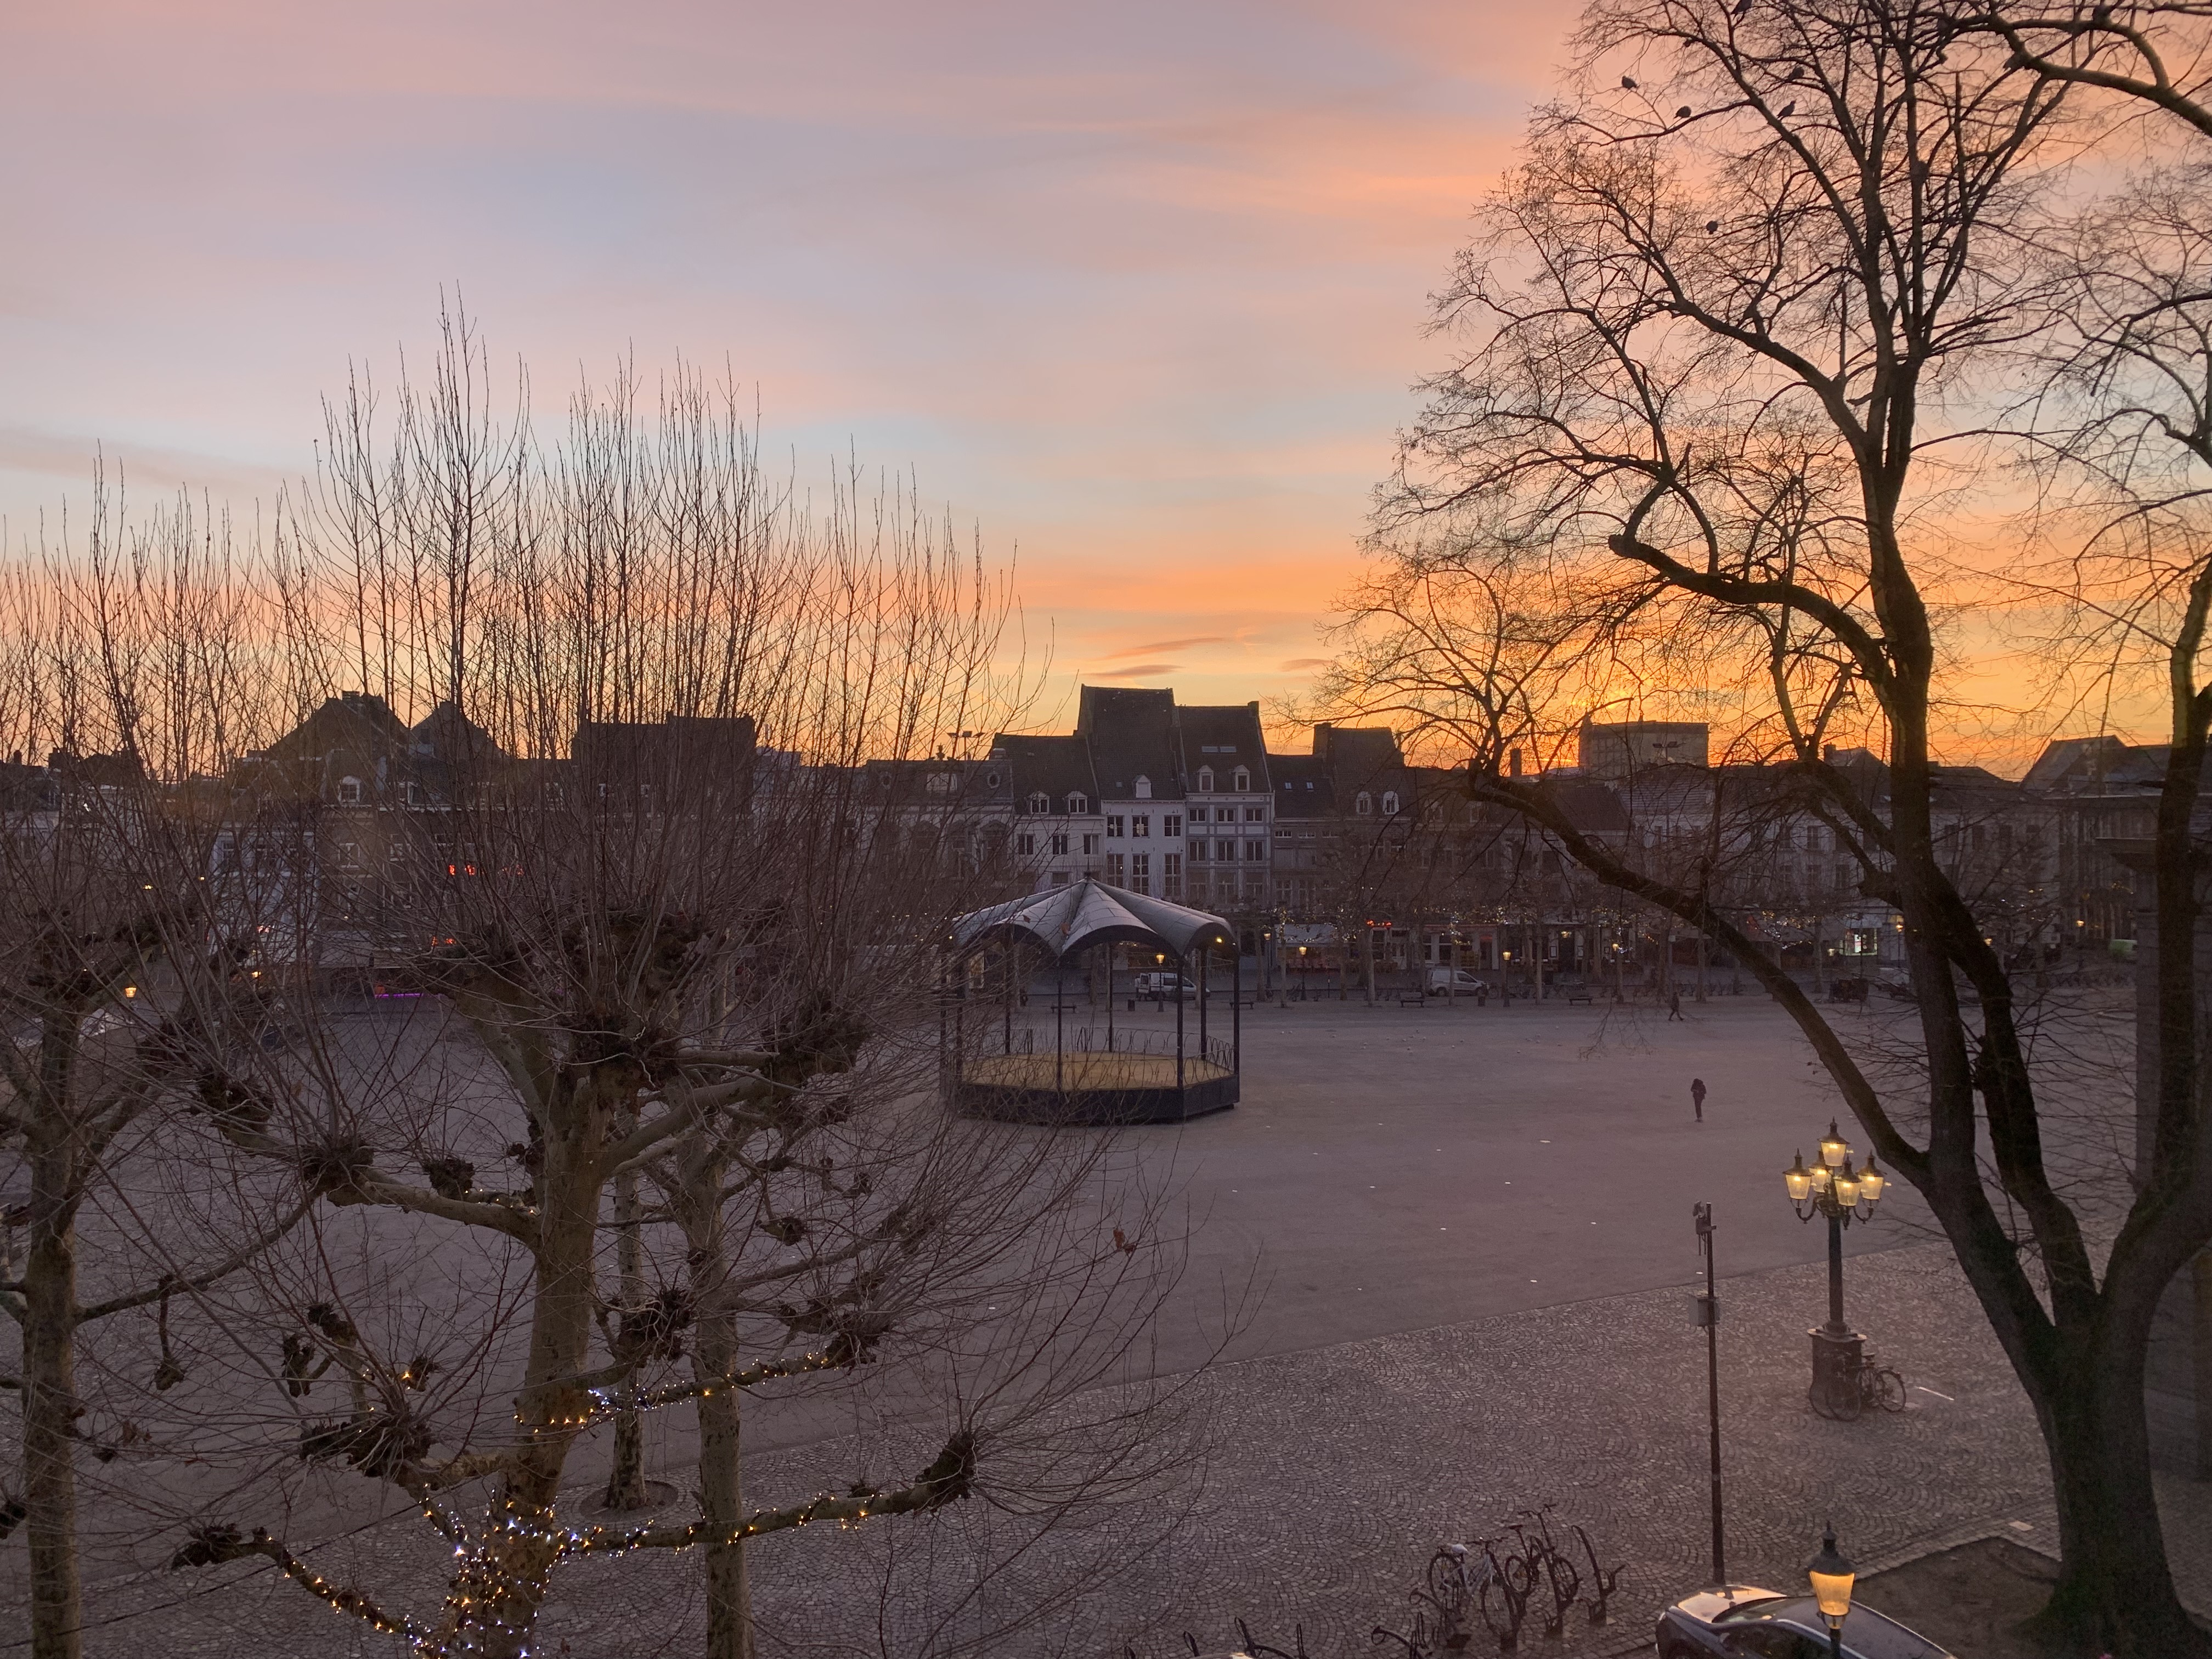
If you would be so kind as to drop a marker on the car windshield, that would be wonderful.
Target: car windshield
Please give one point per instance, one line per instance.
(1758, 1608)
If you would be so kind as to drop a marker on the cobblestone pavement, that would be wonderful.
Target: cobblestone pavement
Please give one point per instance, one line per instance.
(1337, 1471)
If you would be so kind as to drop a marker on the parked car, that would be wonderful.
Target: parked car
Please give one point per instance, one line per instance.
(1744, 1622)
(1163, 986)
(1458, 980)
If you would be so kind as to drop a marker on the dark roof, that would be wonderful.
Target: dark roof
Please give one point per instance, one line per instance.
(447, 734)
(1590, 806)
(1059, 765)
(2068, 762)
(1132, 733)
(1223, 736)
(355, 721)
(1301, 786)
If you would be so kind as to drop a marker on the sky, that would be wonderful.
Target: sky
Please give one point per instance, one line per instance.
(1138, 290)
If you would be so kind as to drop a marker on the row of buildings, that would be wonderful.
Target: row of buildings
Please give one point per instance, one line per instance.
(1347, 855)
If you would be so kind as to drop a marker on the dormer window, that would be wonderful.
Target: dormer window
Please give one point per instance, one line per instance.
(349, 792)
(413, 794)
(1205, 780)
(1389, 803)
(1364, 805)
(1039, 802)
(1241, 779)
(1143, 789)
(1077, 804)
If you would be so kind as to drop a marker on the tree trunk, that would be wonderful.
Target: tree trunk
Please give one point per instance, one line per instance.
(2115, 1594)
(50, 1410)
(492, 1609)
(698, 1209)
(626, 1488)
(721, 1496)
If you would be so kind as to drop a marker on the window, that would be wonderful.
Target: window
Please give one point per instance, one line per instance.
(1281, 834)
(1172, 824)
(1140, 872)
(1059, 844)
(349, 855)
(1144, 787)
(1114, 869)
(1140, 824)
(1225, 852)
(1241, 780)
(398, 855)
(415, 793)
(226, 856)
(1198, 851)
(1025, 844)
(1171, 875)
(1198, 815)
(1389, 803)
(942, 783)
(1090, 846)
(1077, 804)
(1255, 851)
(1113, 824)
(1256, 887)
(1255, 815)
(1039, 802)
(1364, 805)
(1204, 781)
(991, 778)
(350, 791)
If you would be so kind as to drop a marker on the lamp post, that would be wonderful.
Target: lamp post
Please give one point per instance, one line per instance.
(1831, 1577)
(1833, 1188)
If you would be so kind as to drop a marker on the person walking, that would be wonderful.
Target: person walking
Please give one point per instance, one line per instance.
(1697, 1096)
(1674, 1006)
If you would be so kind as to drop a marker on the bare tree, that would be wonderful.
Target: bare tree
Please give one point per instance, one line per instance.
(627, 846)
(1724, 320)
(119, 986)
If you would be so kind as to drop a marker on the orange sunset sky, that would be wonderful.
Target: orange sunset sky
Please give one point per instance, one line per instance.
(1138, 290)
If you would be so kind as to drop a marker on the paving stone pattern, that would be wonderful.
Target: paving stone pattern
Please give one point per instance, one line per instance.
(1334, 1473)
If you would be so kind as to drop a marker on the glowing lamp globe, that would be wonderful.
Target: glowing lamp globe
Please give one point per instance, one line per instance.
(1846, 1186)
(1871, 1181)
(1834, 1149)
(1831, 1577)
(1799, 1180)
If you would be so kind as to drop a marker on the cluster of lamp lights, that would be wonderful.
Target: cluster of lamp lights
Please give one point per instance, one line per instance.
(1832, 1187)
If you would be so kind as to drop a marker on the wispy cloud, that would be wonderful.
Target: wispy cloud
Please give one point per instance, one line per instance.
(1143, 670)
(1299, 664)
(1158, 646)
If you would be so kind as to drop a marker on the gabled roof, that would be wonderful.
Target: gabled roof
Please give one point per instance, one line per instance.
(1223, 736)
(1132, 733)
(1059, 765)
(355, 721)
(2071, 762)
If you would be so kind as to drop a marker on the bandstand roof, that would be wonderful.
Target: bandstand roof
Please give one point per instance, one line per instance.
(1064, 920)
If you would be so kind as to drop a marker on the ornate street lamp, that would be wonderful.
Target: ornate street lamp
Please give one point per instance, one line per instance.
(1833, 1187)
(1831, 1577)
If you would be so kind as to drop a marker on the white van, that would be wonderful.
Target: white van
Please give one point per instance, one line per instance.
(1163, 986)
(1454, 980)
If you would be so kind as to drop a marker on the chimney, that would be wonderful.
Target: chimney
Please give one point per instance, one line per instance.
(1513, 763)
(1828, 753)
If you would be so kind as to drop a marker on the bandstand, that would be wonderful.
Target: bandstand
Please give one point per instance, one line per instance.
(1094, 1071)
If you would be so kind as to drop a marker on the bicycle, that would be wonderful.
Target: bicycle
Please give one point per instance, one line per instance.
(1866, 1386)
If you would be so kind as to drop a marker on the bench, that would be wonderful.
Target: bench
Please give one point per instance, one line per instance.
(1411, 1000)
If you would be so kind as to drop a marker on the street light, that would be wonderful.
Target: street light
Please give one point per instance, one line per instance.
(1831, 1577)
(1834, 1188)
